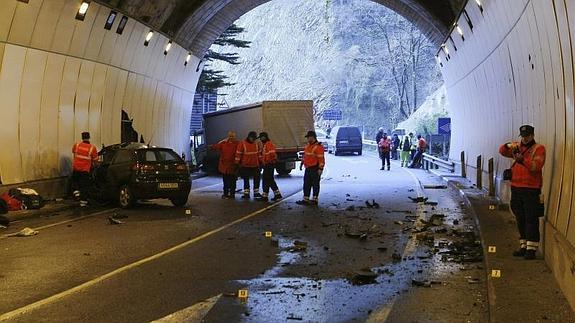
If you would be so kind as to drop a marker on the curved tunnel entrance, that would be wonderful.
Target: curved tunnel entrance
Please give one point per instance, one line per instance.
(505, 63)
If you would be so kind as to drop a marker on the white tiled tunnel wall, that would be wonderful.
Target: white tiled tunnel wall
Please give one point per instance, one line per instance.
(514, 68)
(60, 76)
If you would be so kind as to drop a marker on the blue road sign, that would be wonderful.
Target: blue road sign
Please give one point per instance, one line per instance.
(332, 115)
(444, 126)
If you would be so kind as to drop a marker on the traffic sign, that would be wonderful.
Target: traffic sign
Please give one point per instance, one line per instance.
(444, 126)
(332, 115)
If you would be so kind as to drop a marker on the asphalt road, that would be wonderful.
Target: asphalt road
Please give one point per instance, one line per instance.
(164, 260)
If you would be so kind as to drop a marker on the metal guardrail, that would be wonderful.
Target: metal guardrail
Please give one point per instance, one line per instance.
(435, 162)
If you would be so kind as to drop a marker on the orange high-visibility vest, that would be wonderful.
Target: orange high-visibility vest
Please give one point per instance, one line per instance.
(269, 155)
(227, 149)
(84, 155)
(247, 154)
(314, 155)
(529, 173)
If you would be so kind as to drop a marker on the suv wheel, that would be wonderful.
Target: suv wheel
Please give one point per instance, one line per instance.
(125, 197)
(179, 201)
(359, 152)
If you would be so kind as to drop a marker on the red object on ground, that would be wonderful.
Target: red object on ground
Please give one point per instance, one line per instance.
(13, 204)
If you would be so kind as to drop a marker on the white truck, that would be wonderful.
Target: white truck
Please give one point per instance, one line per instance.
(286, 123)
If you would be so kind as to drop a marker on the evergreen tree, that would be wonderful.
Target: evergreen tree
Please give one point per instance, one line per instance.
(211, 80)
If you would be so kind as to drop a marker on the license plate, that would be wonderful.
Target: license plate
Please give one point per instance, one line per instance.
(344, 142)
(165, 186)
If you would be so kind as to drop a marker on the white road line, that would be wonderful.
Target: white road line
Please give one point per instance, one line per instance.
(382, 313)
(204, 187)
(23, 310)
(194, 313)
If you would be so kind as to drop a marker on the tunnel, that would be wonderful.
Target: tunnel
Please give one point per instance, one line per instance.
(504, 63)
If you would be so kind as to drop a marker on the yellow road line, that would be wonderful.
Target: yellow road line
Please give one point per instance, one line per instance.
(20, 311)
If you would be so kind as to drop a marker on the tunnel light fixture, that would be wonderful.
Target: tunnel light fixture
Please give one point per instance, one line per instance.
(445, 51)
(168, 47)
(82, 11)
(148, 38)
(459, 31)
(479, 5)
(188, 59)
(110, 20)
(438, 60)
(122, 25)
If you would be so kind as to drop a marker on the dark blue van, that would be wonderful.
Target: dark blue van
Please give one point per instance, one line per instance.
(345, 140)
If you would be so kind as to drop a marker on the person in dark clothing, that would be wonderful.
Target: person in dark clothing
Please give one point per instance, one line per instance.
(395, 146)
(378, 137)
(418, 158)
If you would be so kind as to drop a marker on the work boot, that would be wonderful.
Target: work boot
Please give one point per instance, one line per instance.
(529, 254)
(257, 195)
(277, 197)
(245, 197)
(387, 167)
(382, 168)
(262, 198)
(314, 201)
(302, 202)
(83, 203)
(519, 252)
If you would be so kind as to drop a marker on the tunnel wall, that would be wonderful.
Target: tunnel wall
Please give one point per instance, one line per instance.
(514, 68)
(60, 76)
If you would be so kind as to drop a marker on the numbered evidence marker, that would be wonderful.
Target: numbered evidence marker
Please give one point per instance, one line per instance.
(495, 273)
(243, 293)
(268, 234)
(492, 207)
(188, 212)
(492, 249)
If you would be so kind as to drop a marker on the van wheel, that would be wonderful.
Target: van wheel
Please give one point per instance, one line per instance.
(359, 153)
(335, 152)
(126, 197)
(179, 201)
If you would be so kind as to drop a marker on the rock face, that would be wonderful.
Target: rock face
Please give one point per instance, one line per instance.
(341, 54)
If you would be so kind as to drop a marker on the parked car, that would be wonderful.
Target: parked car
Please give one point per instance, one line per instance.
(322, 137)
(345, 140)
(131, 171)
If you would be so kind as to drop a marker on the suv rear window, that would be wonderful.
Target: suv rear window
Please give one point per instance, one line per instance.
(156, 155)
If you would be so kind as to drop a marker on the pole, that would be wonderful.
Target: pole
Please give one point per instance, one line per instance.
(463, 165)
(491, 178)
(479, 175)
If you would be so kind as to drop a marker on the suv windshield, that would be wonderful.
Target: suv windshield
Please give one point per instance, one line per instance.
(348, 132)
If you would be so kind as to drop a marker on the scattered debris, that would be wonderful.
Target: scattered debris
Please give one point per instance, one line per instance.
(299, 246)
(473, 280)
(432, 203)
(436, 187)
(295, 318)
(363, 276)
(455, 222)
(421, 283)
(369, 205)
(375, 204)
(114, 221)
(396, 257)
(26, 232)
(350, 208)
(382, 249)
(418, 199)
(398, 222)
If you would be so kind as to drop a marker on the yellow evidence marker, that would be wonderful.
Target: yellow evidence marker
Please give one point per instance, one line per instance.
(495, 273)
(243, 293)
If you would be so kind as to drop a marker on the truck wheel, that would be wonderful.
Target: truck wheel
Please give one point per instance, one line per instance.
(126, 197)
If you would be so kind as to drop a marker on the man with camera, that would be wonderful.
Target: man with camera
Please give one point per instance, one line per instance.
(526, 179)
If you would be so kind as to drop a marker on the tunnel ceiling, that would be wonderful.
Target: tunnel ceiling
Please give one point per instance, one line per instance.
(195, 24)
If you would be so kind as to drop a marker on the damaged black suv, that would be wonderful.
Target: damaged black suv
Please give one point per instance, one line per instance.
(131, 171)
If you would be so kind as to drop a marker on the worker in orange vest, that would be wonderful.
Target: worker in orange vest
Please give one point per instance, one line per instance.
(248, 159)
(526, 181)
(226, 165)
(314, 162)
(268, 159)
(85, 158)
